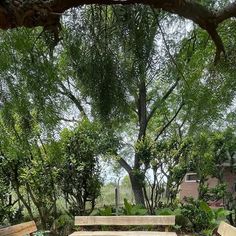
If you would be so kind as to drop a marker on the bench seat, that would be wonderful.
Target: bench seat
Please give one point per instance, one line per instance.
(125, 220)
(165, 221)
(122, 233)
(19, 230)
(226, 229)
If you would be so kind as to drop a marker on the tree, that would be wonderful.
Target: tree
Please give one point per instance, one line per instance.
(80, 178)
(110, 58)
(28, 164)
(27, 151)
(115, 63)
(210, 151)
(117, 70)
(9, 212)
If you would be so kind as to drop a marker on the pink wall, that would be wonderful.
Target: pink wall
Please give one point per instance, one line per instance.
(230, 178)
(190, 189)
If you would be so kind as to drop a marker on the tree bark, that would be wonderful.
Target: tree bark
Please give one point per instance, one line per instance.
(39, 207)
(137, 187)
(136, 181)
(20, 196)
(142, 110)
(136, 175)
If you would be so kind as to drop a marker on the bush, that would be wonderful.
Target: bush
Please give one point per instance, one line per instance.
(80, 172)
(63, 225)
(181, 221)
(203, 219)
(130, 209)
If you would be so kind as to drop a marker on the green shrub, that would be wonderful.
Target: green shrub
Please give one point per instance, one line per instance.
(105, 211)
(63, 225)
(181, 221)
(203, 219)
(130, 209)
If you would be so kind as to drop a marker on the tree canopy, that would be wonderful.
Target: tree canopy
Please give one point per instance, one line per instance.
(132, 83)
(207, 14)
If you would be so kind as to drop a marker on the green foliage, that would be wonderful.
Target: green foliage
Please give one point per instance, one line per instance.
(171, 160)
(209, 151)
(127, 209)
(80, 171)
(145, 151)
(5, 208)
(165, 211)
(110, 59)
(181, 221)
(29, 169)
(105, 211)
(202, 217)
(215, 193)
(41, 233)
(196, 216)
(130, 209)
(29, 80)
(231, 206)
(63, 224)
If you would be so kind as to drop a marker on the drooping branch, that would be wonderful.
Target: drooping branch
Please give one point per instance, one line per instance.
(46, 13)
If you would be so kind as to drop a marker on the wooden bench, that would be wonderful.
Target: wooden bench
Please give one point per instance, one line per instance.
(226, 229)
(19, 230)
(124, 220)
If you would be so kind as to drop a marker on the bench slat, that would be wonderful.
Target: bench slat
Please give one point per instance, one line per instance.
(19, 230)
(226, 229)
(124, 220)
(122, 233)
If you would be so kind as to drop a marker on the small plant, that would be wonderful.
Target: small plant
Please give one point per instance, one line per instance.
(130, 209)
(181, 221)
(105, 211)
(63, 225)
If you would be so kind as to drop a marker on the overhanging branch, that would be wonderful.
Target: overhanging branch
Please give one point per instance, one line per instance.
(15, 13)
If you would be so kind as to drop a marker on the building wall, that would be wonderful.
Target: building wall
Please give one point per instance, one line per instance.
(230, 178)
(190, 189)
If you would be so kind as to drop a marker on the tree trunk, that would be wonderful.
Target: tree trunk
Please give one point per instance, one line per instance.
(20, 196)
(136, 177)
(16, 186)
(137, 187)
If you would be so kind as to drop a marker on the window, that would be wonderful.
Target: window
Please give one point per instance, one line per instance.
(191, 177)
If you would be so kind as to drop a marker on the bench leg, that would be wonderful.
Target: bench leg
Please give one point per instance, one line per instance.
(167, 229)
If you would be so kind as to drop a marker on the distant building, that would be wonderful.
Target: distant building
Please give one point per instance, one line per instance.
(189, 186)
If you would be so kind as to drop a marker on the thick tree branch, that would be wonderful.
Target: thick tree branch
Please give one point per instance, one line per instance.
(67, 92)
(16, 13)
(142, 110)
(226, 12)
(158, 102)
(125, 165)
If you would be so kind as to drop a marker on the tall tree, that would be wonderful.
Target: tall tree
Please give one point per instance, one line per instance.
(132, 79)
